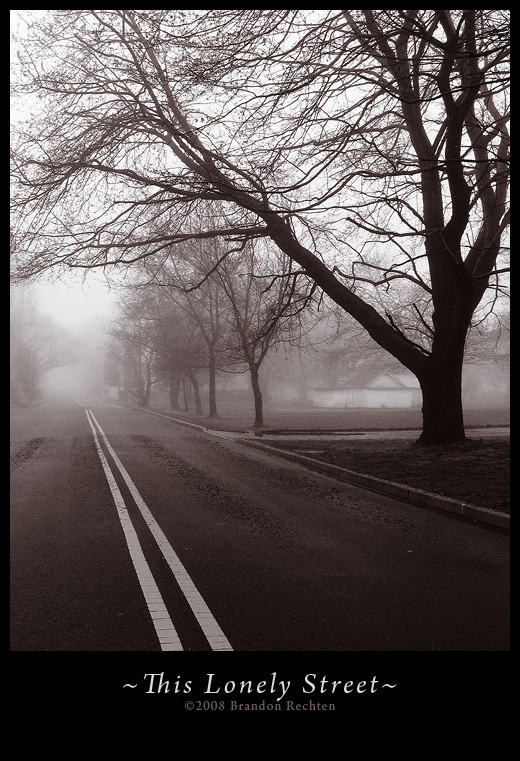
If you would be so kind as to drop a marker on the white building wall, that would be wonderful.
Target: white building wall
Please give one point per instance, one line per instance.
(389, 397)
(371, 398)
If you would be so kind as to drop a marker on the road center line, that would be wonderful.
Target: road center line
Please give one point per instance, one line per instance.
(168, 637)
(212, 631)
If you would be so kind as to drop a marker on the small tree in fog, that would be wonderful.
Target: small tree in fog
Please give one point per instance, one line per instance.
(184, 282)
(180, 353)
(266, 299)
(133, 330)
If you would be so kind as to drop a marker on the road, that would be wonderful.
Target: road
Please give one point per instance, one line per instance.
(133, 533)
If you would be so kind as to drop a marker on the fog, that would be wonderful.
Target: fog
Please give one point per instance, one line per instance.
(74, 304)
(66, 323)
(82, 378)
(57, 339)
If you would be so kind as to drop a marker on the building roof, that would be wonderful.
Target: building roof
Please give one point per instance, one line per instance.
(402, 380)
(394, 380)
(355, 380)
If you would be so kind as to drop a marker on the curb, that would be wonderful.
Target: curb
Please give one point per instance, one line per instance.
(408, 494)
(428, 500)
(166, 417)
(176, 420)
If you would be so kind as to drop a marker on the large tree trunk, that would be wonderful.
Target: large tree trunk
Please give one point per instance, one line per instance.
(441, 379)
(144, 388)
(257, 394)
(196, 393)
(212, 383)
(185, 395)
(443, 420)
(175, 388)
(143, 399)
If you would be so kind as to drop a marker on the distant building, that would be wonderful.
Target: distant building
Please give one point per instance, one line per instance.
(398, 390)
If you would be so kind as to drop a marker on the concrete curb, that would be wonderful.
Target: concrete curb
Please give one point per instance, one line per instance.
(166, 417)
(398, 491)
(408, 494)
(174, 420)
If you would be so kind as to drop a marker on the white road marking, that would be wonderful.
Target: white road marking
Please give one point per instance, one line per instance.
(166, 633)
(212, 631)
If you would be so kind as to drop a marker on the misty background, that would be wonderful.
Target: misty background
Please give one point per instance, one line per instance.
(66, 338)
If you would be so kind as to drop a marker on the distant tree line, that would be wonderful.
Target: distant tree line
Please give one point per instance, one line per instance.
(177, 319)
(37, 345)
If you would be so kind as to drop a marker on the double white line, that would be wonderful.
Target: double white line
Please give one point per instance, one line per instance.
(166, 632)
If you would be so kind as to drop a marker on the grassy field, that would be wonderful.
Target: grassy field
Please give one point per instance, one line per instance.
(240, 418)
(478, 473)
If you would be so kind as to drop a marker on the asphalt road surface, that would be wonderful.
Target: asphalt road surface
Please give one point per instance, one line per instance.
(132, 533)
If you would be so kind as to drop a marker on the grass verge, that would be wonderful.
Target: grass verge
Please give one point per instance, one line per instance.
(477, 473)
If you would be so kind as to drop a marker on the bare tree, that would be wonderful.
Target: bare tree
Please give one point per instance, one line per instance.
(266, 300)
(179, 348)
(134, 331)
(337, 134)
(188, 285)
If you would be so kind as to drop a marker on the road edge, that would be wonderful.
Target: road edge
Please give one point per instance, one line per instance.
(404, 493)
(408, 494)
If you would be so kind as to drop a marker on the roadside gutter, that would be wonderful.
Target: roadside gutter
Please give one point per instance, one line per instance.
(456, 508)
